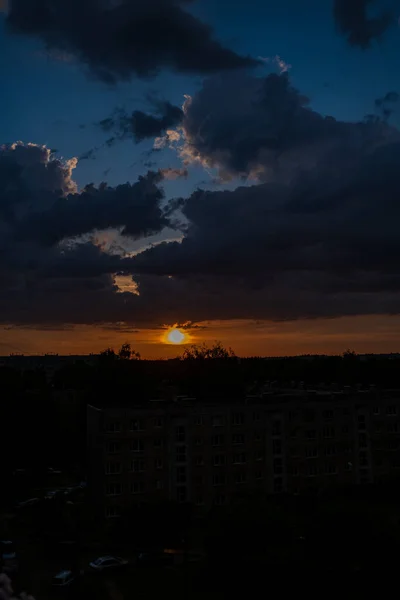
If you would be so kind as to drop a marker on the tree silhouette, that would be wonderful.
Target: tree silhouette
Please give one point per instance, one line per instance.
(204, 352)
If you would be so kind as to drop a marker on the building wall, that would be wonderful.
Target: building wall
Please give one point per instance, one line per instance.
(208, 454)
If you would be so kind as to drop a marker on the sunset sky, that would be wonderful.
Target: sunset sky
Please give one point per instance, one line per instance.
(229, 169)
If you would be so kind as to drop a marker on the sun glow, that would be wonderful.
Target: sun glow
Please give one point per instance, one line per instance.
(175, 336)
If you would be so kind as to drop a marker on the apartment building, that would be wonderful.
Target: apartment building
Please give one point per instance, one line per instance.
(206, 454)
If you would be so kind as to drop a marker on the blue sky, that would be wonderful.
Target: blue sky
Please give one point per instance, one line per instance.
(46, 101)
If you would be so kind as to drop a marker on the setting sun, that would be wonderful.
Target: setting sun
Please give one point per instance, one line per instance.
(175, 336)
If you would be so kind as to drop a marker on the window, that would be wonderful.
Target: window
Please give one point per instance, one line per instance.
(312, 471)
(237, 439)
(218, 479)
(276, 447)
(311, 434)
(158, 463)
(362, 440)
(136, 425)
(309, 415)
(330, 469)
(113, 468)
(138, 465)
(363, 459)
(159, 422)
(392, 427)
(328, 432)
(349, 466)
(198, 441)
(239, 459)
(259, 455)
(293, 471)
(330, 450)
(220, 500)
(137, 487)
(181, 454)
(217, 440)
(311, 452)
(219, 460)
(346, 411)
(276, 428)
(198, 420)
(278, 466)
(113, 489)
(112, 511)
(136, 446)
(293, 434)
(278, 485)
(113, 447)
(376, 410)
(391, 410)
(158, 443)
(113, 427)
(237, 419)
(199, 461)
(218, 421)
(361, 421)
(259, 475)
(159, 484)
(240, 478)
(345, 429)
(180, 433)
(327, 415)
(256, 416)
(258, 437)
(181, 474)
(199, 500)
(392, 445)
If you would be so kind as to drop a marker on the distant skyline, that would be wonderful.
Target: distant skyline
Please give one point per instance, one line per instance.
(251, 153)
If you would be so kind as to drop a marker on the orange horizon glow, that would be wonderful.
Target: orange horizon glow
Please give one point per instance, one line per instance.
(363, 334)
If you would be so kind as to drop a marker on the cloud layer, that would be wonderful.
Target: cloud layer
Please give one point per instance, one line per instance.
(356, 25)
(316, 236)
(116, 39)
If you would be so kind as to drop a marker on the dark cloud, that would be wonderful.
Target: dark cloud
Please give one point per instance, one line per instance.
(255, 127)
(386, 105)
(116, 39)
(317, 241)
(140, 125)
(48, 230)
(316, 237)
(356, 25)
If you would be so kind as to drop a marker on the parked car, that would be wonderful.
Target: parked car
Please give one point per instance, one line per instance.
(51, 495)
(155, 559)
(63, 579)
(108, 562)
(26, 503)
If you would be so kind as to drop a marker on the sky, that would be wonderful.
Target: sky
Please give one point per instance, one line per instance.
(226, 168)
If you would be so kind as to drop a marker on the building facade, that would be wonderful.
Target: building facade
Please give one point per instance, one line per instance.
(206, 454)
